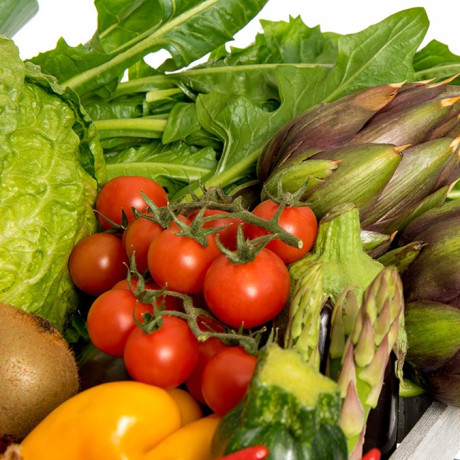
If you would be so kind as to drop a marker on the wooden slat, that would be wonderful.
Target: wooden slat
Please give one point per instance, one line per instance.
(436, 436)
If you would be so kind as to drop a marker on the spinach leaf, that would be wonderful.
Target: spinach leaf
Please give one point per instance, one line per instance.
(173, 166)
(280, 41)
(251, 71)
(435, 60)
(127, 32)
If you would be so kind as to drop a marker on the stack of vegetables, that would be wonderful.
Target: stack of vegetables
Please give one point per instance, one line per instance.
(251, 243)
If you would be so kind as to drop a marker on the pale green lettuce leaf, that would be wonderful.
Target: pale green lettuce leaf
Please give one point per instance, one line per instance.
(49, 170)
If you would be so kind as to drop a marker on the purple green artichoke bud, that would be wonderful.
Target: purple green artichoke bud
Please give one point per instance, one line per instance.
(435, 273)
(433, 334)
(375, 243)
(363, 335)
(432, 292)
(324, 126)
(401, 257)
(393, 150)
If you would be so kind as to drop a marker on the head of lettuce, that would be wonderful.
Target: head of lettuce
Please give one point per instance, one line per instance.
(50, 167)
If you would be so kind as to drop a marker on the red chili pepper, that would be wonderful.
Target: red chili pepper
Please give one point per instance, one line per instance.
(249, 453)
(373, 454)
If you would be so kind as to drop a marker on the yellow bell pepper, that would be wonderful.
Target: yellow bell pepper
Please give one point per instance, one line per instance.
(189, 407)
(111, 421)
(191, 442)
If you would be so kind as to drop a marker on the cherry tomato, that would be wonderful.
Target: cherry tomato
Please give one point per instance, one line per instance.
(125, 193)
(227, 236)
(137, 238)
(247, 294)
(248, 453)
(180, 262)
(226, 377)
(300, 221)
(110, 320)
(208, 349)
(97, 262)
(165, 357)
(373, 454)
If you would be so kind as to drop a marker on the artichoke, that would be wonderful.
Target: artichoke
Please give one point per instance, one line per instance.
(435, 273)
(393, 150)
(432, 292)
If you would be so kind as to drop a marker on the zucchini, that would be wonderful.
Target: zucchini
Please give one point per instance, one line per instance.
(290, 407)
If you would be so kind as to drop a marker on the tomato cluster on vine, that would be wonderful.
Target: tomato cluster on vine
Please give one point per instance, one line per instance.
(179, 289)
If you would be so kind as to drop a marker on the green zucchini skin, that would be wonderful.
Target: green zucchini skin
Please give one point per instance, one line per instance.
(329, 443)
(230, 436)
(273, 416)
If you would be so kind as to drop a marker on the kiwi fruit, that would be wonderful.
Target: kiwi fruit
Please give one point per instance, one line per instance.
(38, 371)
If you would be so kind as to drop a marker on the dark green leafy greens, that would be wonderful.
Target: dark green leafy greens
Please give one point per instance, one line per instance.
(128, 31)
(242, 98)
(435, 60)
(206, 125)
(51, 162)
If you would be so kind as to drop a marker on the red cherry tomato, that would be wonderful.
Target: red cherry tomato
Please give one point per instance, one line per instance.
(137, 238)
(297, 220)
(249, 453)
(97, 262)
(226, 377)
(110, 320)
(227, 236)
(180, 262)
(373, 454)
(208, 349)
(247, 294)
(165, 357)
(124, 193)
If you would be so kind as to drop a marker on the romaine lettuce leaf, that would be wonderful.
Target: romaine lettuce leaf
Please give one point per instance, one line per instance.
(51, 163)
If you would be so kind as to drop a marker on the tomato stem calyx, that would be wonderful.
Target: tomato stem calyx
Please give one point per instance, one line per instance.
(194, 316)
(216, 199)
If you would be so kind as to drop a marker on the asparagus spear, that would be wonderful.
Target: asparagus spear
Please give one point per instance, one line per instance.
(367, 345)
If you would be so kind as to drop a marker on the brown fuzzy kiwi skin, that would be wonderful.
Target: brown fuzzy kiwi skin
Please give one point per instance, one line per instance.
(38, 371)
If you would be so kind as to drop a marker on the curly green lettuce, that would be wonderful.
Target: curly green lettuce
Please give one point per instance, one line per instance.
(50, 165)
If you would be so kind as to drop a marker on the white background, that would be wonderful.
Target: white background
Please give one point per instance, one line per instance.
(75, 20)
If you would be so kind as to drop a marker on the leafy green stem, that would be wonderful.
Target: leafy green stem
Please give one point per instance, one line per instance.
(131, 127)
